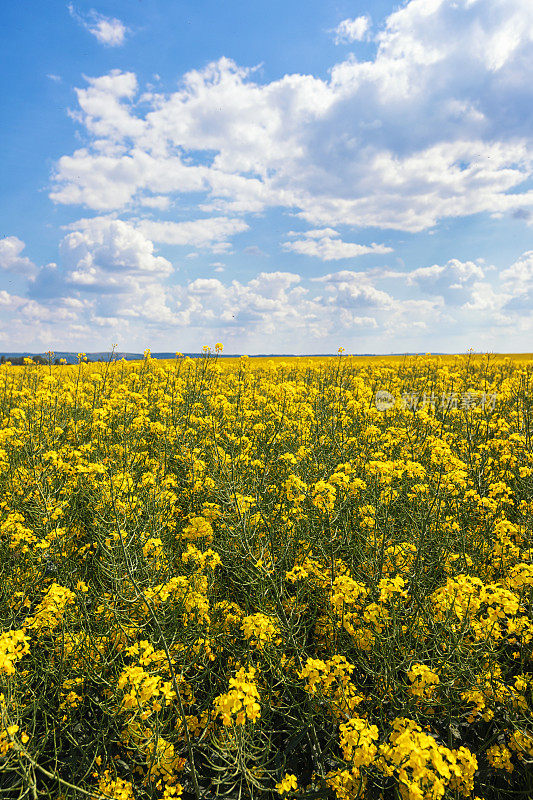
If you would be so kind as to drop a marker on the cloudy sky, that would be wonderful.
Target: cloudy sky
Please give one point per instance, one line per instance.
(279, 176)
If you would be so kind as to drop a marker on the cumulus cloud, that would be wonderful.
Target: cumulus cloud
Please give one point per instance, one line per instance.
(272, 303)
(517, 283)
(156, 201)
(103, 255)
(454, 281)
(35, 325)
(110, 286)
(210, 232)
(107, 252)
(11, 259)
(327, 245)
(486, 300)
(455, 272)
(519, 276)
(348, 289)
(254, 250)
(108, 31)
(352, 30)
(436, 125)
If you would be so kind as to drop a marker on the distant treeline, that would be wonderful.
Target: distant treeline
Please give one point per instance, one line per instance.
(18, 361)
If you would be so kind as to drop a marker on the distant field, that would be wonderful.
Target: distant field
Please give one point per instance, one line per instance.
(256, 578)
(104, 357)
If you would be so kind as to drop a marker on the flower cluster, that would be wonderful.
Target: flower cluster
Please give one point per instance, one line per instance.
(13, 646)
(240, 703)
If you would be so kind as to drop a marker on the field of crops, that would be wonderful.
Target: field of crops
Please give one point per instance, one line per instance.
(300, 578)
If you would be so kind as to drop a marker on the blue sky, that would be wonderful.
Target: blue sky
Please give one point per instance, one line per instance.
(278, 176)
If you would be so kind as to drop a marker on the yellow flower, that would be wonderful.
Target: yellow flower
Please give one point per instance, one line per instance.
(13, 646)
(260, 630)
(198, 528)
(287, 783)
(240, 703)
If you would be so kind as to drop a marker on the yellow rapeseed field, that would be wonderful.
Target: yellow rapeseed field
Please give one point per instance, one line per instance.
(253, 578)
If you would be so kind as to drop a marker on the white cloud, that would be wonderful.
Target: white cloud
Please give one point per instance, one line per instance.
(102, 255)
(319, 233)
(456, 281)
(519, 276)
(454, 271)
(446, 180)
(103, 111)
(352, 30)
(270, 304)
(485, 299)
(209, 232)
(10, 301)
(348, 289)
(435, 126)
(517, 283)
(255, 251)
(108, 31)
(10, 257)
(107, 251)
(327, 245)
(110, 286)
(27, 314)
(156, 201)
(111, 269)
